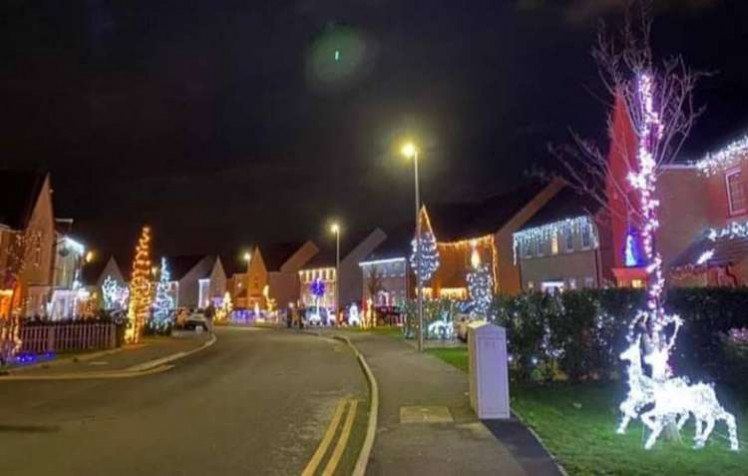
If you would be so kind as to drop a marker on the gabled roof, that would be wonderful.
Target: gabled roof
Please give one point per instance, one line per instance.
(721, 252)
(90, 272)
(325, 257)
(19, 193)
(568, 203)
(452, 222)
(275, 255)
(179, 266)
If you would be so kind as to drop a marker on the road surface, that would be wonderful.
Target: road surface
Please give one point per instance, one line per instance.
(257, 402)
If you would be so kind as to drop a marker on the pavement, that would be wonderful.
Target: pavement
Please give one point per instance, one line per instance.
(426, 425)
(256, 402)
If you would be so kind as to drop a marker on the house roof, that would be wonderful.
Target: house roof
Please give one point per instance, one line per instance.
(568, 203)
(90, 272)
(725, 251)
(275, 255)
(396, 245)
(179, 266)
(452, 222)
(18, 195)
(325, 257)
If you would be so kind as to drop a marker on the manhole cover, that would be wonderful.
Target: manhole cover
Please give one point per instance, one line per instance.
(426, 414)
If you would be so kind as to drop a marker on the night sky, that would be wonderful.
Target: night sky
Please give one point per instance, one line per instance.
(228, 123)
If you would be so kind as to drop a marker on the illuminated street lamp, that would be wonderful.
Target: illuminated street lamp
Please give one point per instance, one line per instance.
(409, 150)
(335, 228)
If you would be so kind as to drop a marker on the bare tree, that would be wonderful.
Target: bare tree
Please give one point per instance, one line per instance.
(622, 58)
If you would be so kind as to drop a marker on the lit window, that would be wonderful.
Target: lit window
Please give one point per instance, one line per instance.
(586, 236)
(530, 285)
(736, 193)
(554, 244)
(637, 283)
(568, 239)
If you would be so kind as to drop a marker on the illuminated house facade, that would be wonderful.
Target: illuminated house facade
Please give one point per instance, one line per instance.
(273, 276)
(69, 297)
(93, 276)
(354, 249)
(198, 281)
(560, 248)
(484, 228)
(26, 208)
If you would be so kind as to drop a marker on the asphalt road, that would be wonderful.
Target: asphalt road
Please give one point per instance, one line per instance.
(257, 402)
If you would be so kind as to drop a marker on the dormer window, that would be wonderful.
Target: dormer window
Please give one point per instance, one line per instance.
(736, 197)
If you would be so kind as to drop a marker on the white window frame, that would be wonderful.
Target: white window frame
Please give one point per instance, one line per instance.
(586, 231)
(527, 251)
(568, 233)
(740, 183)
(554, 244)
(539, 247)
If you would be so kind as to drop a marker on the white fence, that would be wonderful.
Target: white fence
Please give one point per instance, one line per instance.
(61, 338)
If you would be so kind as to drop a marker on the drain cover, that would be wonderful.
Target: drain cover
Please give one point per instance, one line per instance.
(425, 414)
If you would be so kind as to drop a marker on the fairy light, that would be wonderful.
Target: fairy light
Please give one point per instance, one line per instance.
(669, 399)
(524, 238)
(724, 159)
(164, 303)
(140, 294)
(729, 232)
(480, 285)
(115, 296)
(429, 256)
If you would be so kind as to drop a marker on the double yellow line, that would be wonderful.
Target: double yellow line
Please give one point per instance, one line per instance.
(332, 429)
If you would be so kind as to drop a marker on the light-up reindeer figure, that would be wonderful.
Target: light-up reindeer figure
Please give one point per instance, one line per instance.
(641, 387)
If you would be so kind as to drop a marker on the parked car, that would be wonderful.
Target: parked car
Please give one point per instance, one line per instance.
(461, 326)
(197, 320)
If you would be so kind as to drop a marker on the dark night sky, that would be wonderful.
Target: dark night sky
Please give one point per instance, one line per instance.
(225, 123)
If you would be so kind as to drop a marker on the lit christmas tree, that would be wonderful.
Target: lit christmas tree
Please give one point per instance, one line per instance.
(480, 286)
(429, 256)
(163, 303)
(140, 294)
(226, 308)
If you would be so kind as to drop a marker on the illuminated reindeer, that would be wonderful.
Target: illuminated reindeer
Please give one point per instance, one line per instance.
(641, 387)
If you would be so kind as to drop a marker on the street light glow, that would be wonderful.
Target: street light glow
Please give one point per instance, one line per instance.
(247, 256)
(409, 150)
(335, 228)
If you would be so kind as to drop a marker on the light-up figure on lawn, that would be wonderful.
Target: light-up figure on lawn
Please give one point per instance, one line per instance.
(674, 399)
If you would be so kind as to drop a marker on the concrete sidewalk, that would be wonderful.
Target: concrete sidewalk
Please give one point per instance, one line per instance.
(426, 425)
(127, 358)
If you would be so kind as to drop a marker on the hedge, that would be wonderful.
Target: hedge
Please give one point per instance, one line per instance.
(578, 334)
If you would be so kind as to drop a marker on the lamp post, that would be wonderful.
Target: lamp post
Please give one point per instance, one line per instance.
(248, 259)
(409, 150)
(336, 230)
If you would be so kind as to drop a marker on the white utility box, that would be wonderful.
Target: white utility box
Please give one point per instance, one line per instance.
(489, 372)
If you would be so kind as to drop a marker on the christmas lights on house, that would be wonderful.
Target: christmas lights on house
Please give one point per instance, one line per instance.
(115, 296)
(724, 159)
(140, 292)
(730, 232)
(523, 239)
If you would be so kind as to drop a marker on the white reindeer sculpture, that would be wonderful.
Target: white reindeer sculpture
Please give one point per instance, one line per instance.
(672, 399)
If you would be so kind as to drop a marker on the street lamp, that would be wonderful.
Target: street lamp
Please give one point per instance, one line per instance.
(336, 230)
(409, 150)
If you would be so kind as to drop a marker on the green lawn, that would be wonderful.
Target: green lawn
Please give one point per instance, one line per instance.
(390, 331)
(577, 423)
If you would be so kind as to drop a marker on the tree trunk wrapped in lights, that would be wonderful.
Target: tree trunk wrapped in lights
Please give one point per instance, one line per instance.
(140, 288)
(429, 256)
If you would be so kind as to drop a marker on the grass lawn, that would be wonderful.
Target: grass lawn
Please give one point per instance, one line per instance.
(390, 331)
(577, 423)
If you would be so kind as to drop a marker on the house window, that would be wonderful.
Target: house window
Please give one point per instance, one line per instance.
(586, 236)
(736, 193)
(528, 249)
(589, 282)
(530, 285)
(554, 244)
(568, 239)
(538, 247)
(572, 283)
(637, 283)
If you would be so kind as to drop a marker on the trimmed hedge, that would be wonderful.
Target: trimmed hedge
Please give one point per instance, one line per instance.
(579, 334)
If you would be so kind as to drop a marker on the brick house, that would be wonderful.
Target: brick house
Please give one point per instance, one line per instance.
(560, 247)
(26, 207)
(715, 204)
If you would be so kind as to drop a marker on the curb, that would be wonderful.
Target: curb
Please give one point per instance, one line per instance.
(65, 360)
(371, 428)
(145, 366)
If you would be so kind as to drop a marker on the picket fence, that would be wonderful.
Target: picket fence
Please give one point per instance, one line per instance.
(67, 337)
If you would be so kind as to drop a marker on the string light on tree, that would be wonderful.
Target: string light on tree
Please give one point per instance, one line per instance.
(115, 296)
(429, 256)
(226, 308)
(480, 285)
(140, 293)
(164, 303)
